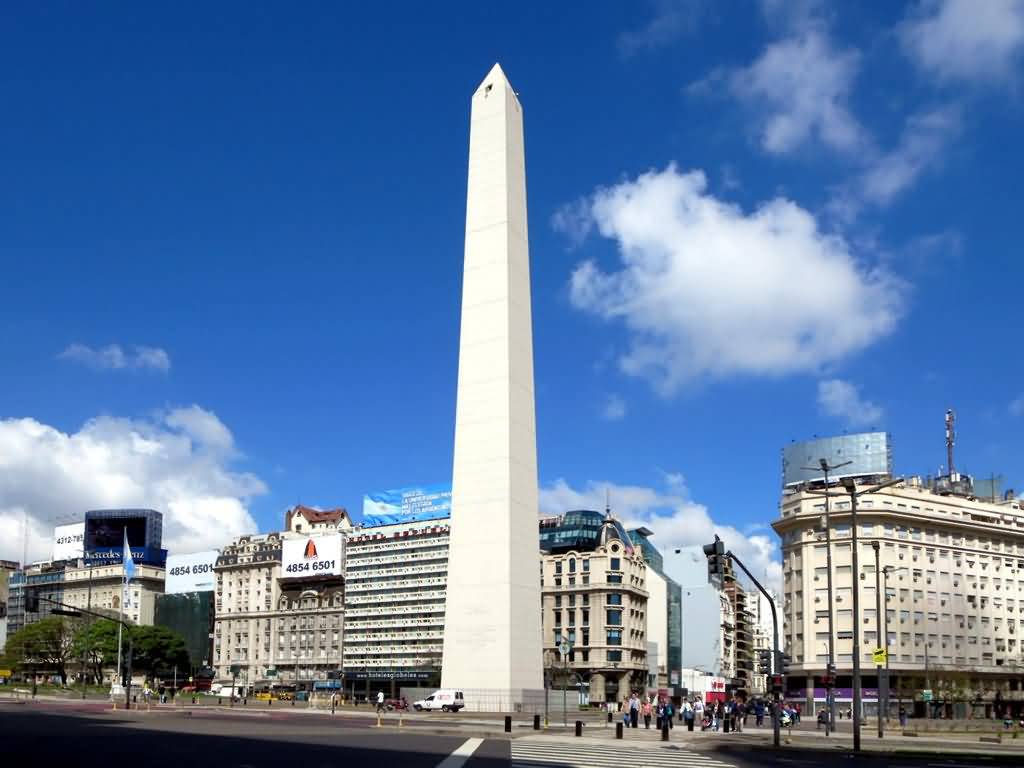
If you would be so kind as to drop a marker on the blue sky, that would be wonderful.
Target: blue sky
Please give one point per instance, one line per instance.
(231, 244)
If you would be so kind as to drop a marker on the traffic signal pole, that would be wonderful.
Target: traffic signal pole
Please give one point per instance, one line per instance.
(714, 553)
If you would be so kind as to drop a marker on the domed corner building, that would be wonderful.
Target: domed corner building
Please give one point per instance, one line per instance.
(596, 589)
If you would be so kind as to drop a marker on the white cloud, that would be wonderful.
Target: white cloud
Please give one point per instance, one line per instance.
(707, 289)
(115, 358)
(842, 400)
(966, 40)
(614, 408)
(671, 19)
(675, 519)
(1017, 406)
(924, 137)
(177, 462)
(800, 85)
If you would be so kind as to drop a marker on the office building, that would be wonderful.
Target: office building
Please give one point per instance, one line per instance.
(396, 578)
(953, 581)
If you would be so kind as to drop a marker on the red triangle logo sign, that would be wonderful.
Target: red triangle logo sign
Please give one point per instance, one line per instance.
(310, 550)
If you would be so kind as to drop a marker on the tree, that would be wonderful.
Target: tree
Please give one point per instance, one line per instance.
(96, 641)
(158, 649)
(44, 645)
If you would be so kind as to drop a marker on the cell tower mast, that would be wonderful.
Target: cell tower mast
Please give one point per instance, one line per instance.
(950, 440)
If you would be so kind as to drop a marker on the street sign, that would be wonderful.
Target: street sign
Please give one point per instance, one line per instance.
(564, 647)
(879, 656)
(926, 695)
(236, 669)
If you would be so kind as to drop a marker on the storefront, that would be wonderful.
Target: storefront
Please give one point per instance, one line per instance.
(363, 684)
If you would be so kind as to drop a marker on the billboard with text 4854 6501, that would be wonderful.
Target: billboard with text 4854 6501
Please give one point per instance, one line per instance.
(319, 554)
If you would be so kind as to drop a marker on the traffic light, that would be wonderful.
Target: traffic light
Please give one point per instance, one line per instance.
(764, 658)
(715, 553)
(784, 660)
(31, 602)
(776, 683)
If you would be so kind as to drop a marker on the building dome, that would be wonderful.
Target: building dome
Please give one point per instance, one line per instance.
(612, 530)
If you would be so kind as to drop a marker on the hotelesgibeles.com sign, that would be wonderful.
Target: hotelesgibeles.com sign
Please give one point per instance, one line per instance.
(318, 554)
(190, 573)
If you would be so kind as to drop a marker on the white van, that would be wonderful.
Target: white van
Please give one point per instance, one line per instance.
(447, 700)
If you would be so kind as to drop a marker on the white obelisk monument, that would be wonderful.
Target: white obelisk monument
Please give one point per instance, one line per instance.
(492, 634)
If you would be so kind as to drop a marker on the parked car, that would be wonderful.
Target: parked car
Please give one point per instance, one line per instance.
(447, 700)
(396, 704)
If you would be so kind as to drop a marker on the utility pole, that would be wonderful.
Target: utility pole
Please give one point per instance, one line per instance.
(851, 488)
(878, 631)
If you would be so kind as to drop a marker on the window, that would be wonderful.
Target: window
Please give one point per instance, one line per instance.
(614, 637)
(558, 601)
(614, 655)
(616, 564)
(613, 618)
(614, 598)
(572, 566)
(558, 567)
(586, 566)
(614, 578)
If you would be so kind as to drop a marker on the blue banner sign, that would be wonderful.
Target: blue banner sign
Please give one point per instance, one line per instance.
(403, 505)
(114, 556)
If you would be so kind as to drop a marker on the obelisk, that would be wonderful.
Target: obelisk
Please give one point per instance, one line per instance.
(492, 637)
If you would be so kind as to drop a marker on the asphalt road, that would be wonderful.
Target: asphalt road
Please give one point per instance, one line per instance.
(34, 735)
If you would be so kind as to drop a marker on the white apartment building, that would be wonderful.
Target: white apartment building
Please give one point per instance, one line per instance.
(99, 586)
(396, 579)
(291, 627)
(953, 601)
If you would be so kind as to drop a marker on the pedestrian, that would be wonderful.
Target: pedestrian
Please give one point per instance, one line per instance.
(740, 713)
(380, 701)
(759, 713)
(634, 711)
(625, 716)
(688, 714)
(647, 713)
(903, 717)
(716, 715)
(670, 710)
(698, 712)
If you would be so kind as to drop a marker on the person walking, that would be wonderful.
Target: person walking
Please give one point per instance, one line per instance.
(903, 717)
(634, 711)
(380, 701)
(646, 710)
(759, 713)
(698, 712)
(739, 713)
(688, 715)
(670, 712)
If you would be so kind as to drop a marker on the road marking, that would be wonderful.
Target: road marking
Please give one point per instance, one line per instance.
(527, 754)
(461, 755)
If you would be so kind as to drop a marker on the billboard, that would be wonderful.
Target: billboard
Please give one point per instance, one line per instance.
(69, 541)
(190, 573)
(114, 556)
(318, 554)
(403, 505)
(869, 453)
(106, 528)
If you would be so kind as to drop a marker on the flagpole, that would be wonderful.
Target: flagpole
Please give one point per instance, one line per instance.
(120, 625)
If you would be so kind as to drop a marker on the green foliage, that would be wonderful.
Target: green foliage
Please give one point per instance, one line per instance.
(44, 645)
(158, 649)
(96, 641)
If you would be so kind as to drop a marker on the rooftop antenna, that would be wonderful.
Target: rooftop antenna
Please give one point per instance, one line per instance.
(950, 440)
(607, 502)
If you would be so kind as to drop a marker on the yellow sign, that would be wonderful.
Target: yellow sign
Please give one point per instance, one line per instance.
(5, 673)
(879, 656)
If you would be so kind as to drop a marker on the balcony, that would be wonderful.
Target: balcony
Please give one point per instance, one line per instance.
(385, 583)
(395, 597)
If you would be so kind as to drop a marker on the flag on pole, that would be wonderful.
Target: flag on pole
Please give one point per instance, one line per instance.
(129, 564)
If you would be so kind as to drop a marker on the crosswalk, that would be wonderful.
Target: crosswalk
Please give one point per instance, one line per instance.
(527, 753)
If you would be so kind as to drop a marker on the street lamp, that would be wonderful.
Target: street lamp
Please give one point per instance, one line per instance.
(850, 484)
(830, 667)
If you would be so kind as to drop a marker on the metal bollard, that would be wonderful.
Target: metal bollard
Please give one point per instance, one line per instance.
(508, 723)
(579, 728)
(219, 702)
(609, 717)
(536, 722)
(270, 702)
(245, 701)
(664, 729)
(401, 717)
(618, 730)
